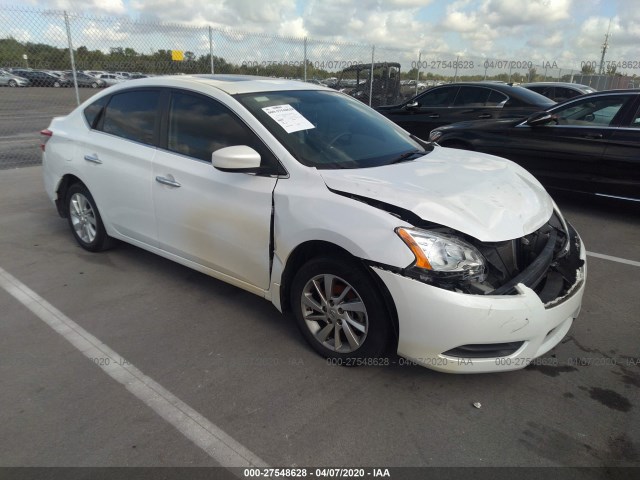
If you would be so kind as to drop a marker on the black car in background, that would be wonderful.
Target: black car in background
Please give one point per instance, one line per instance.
(590, 144)
(458, 102)
(42, 79)
(559, 91)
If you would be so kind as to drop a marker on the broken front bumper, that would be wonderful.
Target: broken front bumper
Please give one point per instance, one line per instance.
(462, 333)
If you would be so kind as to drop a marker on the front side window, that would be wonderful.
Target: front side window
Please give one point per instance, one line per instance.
(329, 130)
(132, 115)
(591, 112)
(198, 126)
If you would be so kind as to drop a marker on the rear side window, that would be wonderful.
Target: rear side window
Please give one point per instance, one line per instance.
(132, 115)
(472, 97)
(563, 94)
(496, 99)
(438, 97)
(635, 121)
(93, 111)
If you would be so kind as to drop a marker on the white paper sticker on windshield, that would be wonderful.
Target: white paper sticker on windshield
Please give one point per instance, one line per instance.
(288, 118)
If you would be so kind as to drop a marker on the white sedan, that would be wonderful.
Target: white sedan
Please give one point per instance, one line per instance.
(372, 238)
(111, 78)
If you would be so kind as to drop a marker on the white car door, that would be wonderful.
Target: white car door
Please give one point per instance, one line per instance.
(219, 220)
(117, 156)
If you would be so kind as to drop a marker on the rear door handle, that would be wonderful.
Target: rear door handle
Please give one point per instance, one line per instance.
(168, 181)
(92, 158)
(593, 136)
(485, 115)
(435, 115)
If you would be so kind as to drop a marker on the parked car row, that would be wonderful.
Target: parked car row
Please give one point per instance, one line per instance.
(8, 79)
(23, 77)
(459, 102)
(589, 142)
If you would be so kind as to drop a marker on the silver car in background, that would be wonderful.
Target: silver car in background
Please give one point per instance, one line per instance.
(9, 80)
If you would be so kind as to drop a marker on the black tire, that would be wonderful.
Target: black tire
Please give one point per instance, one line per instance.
(375, 321)
(13, 83)
(85, 221)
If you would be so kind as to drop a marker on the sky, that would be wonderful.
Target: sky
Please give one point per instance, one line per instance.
(567, 32)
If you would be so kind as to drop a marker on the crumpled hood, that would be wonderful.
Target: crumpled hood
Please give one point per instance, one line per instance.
(487, 197)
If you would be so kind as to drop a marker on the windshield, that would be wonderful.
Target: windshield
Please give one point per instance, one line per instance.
(329, 130)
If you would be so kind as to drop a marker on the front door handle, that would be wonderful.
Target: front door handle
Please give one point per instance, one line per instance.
(93, 158)
(485, 115)
(168, 181)
(593, 136)
(435, 115)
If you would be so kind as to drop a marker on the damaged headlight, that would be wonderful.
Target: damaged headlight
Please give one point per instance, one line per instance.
(445, 255)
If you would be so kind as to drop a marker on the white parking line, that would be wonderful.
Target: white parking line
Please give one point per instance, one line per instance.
(210, 438)
(614, 259)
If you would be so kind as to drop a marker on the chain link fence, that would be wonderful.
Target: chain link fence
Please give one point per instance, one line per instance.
(63, 52)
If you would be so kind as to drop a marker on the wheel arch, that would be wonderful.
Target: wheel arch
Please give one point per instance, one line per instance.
(61, 192)
(319, 248)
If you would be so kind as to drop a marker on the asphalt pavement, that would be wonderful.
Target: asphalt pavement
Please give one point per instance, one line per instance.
(233, 359)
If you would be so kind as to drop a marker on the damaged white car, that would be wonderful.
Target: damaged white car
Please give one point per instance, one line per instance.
(372, 238)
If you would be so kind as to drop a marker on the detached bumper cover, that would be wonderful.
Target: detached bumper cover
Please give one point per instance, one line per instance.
(433, 321)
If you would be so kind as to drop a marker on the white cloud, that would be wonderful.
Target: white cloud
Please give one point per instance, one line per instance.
(568, 31)
(99, 6)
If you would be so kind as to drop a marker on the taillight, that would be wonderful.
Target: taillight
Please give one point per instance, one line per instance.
(46, 133)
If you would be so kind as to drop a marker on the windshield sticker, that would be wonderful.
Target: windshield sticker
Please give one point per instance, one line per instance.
(288, 118)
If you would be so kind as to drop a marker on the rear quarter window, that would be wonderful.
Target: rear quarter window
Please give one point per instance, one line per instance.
(93, 111)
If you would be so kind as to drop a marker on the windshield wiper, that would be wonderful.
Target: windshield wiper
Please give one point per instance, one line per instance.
(405, 157)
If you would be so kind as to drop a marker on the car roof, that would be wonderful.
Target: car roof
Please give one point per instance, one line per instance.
(620, 91)
(555, 84)
(231, 84)
(517, 91)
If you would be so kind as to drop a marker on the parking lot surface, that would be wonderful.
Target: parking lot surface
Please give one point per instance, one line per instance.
(244, 368)
(231, 357)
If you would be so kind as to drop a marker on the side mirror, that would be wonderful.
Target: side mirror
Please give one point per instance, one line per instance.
(239, 158)
(412, 105)
(540, 118)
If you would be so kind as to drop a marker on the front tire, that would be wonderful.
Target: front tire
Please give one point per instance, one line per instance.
(13, 83)
(339, 309)
(85, 221)
(56, 84)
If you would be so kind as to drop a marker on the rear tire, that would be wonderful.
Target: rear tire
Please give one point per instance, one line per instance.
(339, 310)
(85, 221)
(13, 83)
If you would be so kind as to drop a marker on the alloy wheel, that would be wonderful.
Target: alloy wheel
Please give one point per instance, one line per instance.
(83, 218)
(334, 313)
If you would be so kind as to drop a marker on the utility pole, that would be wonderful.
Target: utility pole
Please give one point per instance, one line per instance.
(605, 45)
